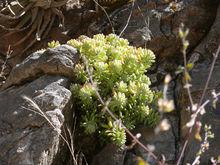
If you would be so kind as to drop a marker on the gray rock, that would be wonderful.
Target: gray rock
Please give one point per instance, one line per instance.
(26, 137)
(153, 27)
(110, 155)
(57, 61)
(163, 142)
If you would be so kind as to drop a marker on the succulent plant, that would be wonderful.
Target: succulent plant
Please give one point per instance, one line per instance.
(118, 71)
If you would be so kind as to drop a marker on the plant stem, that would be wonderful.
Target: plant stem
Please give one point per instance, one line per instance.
(210, 75)
(185, 73)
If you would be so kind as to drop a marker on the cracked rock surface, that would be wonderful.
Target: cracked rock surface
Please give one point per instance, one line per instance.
(25, 136)
(57, 61)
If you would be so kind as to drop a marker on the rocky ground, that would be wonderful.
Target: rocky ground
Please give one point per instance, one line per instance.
(45, 77)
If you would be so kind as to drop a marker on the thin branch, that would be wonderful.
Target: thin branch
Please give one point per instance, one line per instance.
(210, 75)
(190, 131)
(103, 9)
(147, 22)
(129, 18)
(185, 73)
(200, 107)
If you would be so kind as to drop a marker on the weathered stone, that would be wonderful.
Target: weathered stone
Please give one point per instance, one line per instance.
(57, 61)
(163, 26)
(27, 137)
(163, 142)
(110, 155)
